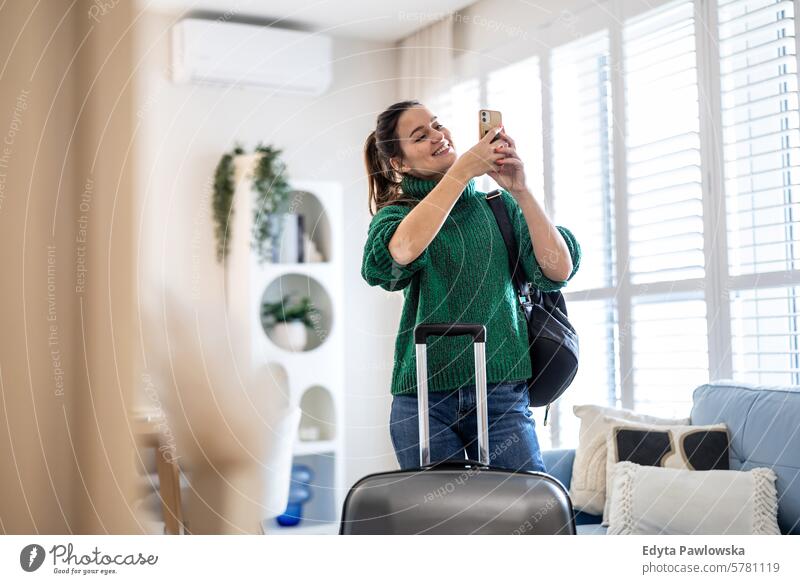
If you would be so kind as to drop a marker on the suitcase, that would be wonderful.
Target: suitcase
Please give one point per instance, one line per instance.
(456, 496)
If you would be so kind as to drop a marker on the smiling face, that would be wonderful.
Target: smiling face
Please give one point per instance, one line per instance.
(427, 146)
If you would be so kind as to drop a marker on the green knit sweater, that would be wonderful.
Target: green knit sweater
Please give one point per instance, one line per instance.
(462, 276)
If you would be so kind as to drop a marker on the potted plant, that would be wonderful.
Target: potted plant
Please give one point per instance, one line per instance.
(272, 195)
(287, 320)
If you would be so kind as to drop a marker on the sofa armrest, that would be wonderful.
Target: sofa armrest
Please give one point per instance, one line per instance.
(559, 464)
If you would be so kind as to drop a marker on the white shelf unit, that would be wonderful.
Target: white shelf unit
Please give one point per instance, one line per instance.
(269, 527)
(312, 379)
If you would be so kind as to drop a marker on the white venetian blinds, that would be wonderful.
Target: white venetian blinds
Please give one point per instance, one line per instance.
(669, 345)
(580, 98)
(665, 197)
(516, 91)
(583, 191)
(760, 123)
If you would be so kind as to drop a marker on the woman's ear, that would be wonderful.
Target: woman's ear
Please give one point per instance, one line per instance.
(398, 166)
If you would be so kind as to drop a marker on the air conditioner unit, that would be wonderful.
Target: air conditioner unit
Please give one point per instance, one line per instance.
(245, 55)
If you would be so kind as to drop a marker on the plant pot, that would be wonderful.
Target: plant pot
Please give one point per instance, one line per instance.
(291, 335)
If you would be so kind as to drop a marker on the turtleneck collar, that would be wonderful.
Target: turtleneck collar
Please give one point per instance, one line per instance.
(419, 188)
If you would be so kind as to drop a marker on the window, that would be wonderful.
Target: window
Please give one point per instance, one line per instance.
(758, 67)
(668, 141)
(582, 169)
(457, 109)
(516, 91)
(668, 345)
(597, 380)
(665, 197)
(580, 97)
(670, 352)
(760, 120)
(765, 335)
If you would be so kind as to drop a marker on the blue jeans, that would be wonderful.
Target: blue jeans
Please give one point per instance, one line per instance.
(453, 427)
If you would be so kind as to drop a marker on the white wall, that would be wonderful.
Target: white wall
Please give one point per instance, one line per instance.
(183, 130)
(489, 25)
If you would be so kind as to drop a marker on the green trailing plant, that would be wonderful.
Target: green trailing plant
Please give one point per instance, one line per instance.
(272, 191)
(222, 201)
(287, 311)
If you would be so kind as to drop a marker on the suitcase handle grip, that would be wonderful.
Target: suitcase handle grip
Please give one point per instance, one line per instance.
(457, 464)
(456, 329)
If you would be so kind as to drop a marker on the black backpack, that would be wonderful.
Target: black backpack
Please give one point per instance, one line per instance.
(552, 338)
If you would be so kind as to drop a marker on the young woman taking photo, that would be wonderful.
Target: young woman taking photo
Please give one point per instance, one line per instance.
(434, 237)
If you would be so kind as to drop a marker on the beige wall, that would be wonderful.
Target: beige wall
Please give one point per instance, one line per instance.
(65, 351)
(181, 132)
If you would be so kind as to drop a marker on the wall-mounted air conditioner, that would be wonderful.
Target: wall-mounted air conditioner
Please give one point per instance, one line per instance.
(246, 55)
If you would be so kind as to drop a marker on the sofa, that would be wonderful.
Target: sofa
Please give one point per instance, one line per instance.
(764, 428)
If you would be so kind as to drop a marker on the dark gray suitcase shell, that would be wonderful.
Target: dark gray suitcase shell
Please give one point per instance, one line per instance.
(457, 496)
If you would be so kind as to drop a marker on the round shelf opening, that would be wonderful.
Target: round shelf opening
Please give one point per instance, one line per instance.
(296, 313)
(318, 420)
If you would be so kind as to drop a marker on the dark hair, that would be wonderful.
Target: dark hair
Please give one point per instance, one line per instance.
(381, 145)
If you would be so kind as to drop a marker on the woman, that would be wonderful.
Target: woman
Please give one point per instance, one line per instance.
(434, 237)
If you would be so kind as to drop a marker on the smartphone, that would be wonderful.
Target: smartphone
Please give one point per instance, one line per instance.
(488, 119)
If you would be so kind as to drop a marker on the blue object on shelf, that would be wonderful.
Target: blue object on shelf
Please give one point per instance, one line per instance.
(299, 493)
(302, 474)
(292, 515)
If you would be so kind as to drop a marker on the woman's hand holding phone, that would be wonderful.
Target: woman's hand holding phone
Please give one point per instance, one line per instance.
(510, 171)
(481, 158)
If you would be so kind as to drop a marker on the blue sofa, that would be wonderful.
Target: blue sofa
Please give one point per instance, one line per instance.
(764, 427)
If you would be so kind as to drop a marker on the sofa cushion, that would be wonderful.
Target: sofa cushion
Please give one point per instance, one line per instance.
(591, 529)
(588, 482)
(656, 500)
(677, 446)
(764, 432)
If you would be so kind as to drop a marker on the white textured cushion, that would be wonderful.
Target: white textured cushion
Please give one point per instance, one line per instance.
(654, 500)
(675, 459)
(588, 484)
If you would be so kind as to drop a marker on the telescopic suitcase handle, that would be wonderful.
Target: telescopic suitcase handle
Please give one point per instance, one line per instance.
(478, 334)
(455, 329)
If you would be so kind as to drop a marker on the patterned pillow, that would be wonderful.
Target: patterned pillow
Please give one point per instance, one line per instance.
(587, 487)
(687, 447)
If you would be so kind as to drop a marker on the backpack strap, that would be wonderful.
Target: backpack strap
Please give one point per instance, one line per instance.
(498, 207)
